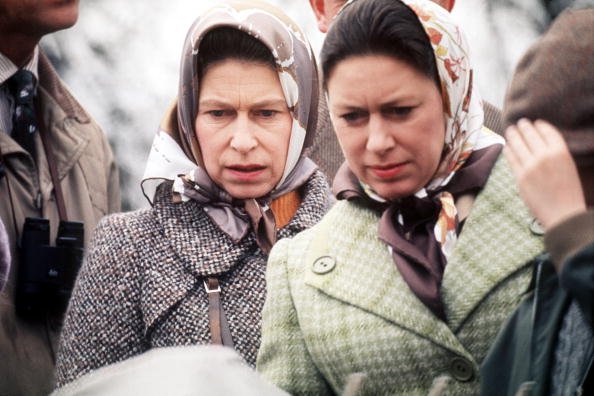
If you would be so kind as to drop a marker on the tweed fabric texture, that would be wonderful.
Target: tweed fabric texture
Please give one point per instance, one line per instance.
(360, 316)
(141, 285)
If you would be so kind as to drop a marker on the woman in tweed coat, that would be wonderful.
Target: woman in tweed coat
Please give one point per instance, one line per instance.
(190, 270)
(405, 282)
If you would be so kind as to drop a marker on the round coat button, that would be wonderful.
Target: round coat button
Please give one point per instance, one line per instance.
(461, 369)
(323, 265)
(536, 227)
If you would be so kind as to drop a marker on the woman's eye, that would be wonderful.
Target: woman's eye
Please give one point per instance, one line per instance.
(352, 116)
(399, 111)
(266, 113)
(216, 113)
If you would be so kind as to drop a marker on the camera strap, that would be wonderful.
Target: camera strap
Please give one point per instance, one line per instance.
(220, 332)
(51, 161)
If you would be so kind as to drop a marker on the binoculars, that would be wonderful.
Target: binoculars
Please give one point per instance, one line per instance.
(46, 274)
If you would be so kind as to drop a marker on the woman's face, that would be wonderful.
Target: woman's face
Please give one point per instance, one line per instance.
(243, 127)
(389, 120)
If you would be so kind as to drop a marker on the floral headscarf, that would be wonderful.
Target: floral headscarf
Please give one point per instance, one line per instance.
(175, 155)
(469, 153)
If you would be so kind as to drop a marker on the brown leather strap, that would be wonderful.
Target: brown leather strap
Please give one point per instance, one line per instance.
(219, 327)
(52, 166)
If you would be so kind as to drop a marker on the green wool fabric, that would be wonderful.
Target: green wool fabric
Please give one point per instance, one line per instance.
(357, 314)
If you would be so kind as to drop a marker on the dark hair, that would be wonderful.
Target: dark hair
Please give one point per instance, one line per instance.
(224, 43)
(386, 27)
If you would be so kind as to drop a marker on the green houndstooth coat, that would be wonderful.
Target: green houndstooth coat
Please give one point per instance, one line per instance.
(337, 304)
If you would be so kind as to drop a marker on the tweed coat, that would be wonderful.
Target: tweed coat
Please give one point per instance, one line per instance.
(141, 285)
(343, 307)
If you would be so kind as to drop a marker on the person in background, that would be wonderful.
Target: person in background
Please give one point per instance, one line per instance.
(57, 165)
(547, 346)
(191, 269)
(326, 151)
(409, 276)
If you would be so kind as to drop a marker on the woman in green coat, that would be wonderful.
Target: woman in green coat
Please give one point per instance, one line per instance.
(404, 284)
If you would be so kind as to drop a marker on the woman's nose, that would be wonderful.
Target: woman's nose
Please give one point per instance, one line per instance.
(243, 139)
(379, 138)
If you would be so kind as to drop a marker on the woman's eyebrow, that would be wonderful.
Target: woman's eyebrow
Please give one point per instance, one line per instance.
(259, 103)
(270, 102)
(212, 103)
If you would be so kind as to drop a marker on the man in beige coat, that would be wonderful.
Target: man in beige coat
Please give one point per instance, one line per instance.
(85, 169)
(326, 152)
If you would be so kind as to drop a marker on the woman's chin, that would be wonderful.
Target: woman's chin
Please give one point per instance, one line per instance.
(247, 191)
(393, 190)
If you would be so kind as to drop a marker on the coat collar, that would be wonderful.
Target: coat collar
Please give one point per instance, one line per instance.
(51, 83)
(365, 275)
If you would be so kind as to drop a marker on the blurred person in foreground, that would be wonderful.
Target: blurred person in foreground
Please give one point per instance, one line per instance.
(326, 151)
(409, 276)
(233, 178)
(56, 168)
(547, 346)
(190, 370)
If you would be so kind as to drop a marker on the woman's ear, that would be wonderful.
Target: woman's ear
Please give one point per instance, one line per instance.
(169, 120)
(322, 18)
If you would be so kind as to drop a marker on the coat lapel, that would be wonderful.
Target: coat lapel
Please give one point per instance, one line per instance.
(363, 274)
(166, 284)
(495, 243)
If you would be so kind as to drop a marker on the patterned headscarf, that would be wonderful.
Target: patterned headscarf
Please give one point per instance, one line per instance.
(469, 153)
(176, 155)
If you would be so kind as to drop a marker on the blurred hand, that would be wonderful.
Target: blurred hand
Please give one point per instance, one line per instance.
(546, 174)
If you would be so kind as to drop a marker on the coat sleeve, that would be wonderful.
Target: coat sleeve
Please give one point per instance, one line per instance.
(571, 245)
(283, 358)
(103, 323)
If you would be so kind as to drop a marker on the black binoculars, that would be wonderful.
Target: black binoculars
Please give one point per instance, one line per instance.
(46, 274)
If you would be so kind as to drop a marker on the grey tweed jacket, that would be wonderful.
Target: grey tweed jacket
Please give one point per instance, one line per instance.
(141, 287)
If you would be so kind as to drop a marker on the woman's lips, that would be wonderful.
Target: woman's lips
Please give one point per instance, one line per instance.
(387, 171)
(246, 172)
